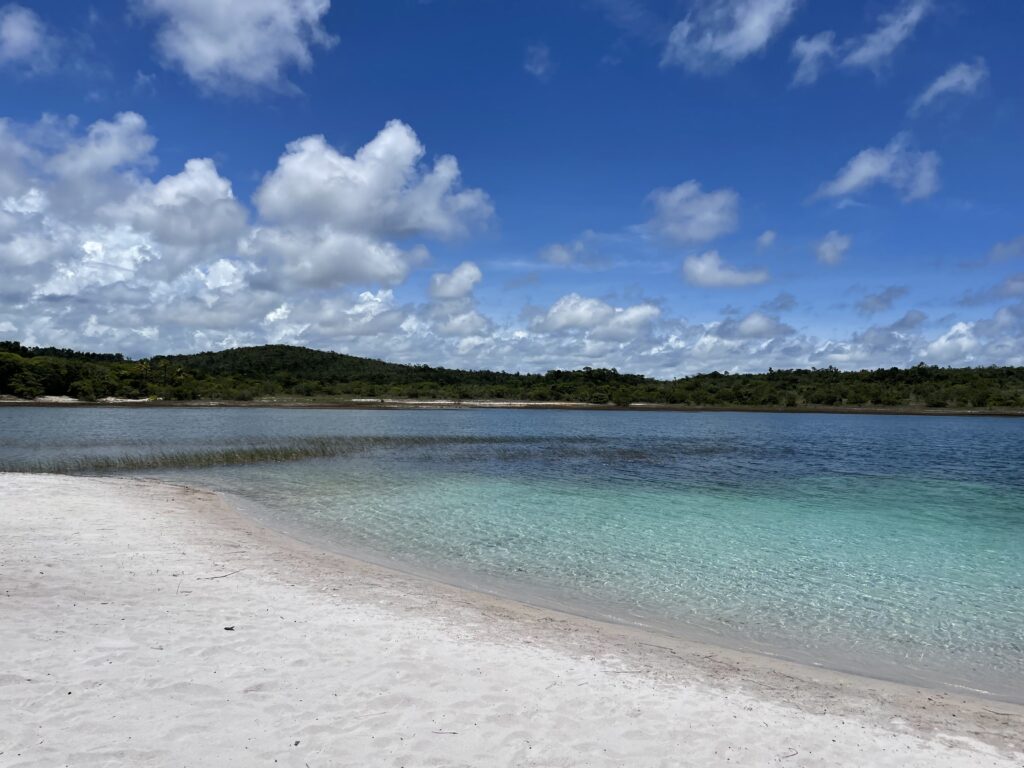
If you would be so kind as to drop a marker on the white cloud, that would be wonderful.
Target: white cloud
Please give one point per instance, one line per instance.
(957, 344)
(599, 320)
(912, 173)
(962, 78)
(97, 252)
(230, 46)
(627, 323)
(24, 40)
(812, 53)
(685, 214)
(538, 61)
(875, 49)
(767, 238)
(468, 323)
(193, 214)
(325, 257)
(755, 325)
(574, 312)
(720, 33)
(332, 218)
(278, 314)
(709, 271)
(107, 146)
(80, 217)
(833, 247)
(220, 281)
(380, 190)
(32, 202)
(112, 257)
(81, 208)
(456, 284)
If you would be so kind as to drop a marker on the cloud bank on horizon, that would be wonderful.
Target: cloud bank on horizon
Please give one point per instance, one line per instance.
(739, 185)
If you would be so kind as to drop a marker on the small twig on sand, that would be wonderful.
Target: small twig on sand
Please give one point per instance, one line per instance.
(448, 733)
(221, 576)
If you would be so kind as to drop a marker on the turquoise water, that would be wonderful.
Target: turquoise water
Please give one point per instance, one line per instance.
(890, 546)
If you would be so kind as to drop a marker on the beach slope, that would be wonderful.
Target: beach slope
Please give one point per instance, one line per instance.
(149, 624)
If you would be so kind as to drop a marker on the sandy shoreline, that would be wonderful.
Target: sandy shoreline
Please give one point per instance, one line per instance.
(388, 404)
(115, 596)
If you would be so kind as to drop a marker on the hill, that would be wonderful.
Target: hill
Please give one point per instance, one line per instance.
(277, 371)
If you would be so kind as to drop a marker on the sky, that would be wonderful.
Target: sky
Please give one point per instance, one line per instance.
(661, 187)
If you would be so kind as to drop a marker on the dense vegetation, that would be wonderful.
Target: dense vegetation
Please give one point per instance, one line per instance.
(283, 371)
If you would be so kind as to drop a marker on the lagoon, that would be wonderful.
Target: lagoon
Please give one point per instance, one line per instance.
(888, 546)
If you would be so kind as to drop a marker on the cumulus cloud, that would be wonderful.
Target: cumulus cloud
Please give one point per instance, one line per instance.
(194, 214)
(538, 61)
(685, 214)
(25, 42)
(98, 253)
(962, 79)
(812, 53)
(369, 316)
(464, 324)
(107, 146)
(456, 284)
(881, 301)
(766, 239)
(719, 33)
(380, 190)
(959, 343)
(600, 320)
(229, 46)
(326, 257)
(574, 312)
(912, 173)
(332, 218)
(833, 247)
(709, 271)
(875, 49)
(755, 325)
(82, 215)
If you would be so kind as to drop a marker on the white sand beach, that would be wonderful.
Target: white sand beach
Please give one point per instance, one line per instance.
(144, 624)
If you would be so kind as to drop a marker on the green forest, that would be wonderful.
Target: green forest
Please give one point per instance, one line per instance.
(289, 373)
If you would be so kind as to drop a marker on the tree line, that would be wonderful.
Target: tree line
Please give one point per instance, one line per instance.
(277, 371)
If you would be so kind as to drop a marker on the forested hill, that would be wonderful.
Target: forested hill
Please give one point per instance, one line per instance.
(286, 372)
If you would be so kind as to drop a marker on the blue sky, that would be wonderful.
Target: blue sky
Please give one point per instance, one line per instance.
(663, 187)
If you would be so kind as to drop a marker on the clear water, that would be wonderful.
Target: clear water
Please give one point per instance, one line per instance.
(890, 546)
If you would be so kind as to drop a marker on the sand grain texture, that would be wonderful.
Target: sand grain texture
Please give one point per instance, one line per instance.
(115, 596)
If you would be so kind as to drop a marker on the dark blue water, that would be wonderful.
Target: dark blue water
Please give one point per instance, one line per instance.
(887, 545)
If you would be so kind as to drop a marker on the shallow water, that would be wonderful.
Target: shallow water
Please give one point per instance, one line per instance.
(891, 546)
